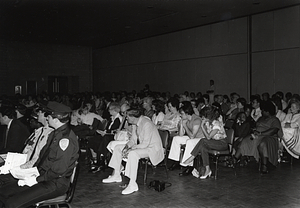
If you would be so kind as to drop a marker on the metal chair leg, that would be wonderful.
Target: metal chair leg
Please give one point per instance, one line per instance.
(145, 174)
(233, 165)
(216, 173)
(166, 167)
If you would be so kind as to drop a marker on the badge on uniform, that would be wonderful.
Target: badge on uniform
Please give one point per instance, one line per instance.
(63, 144)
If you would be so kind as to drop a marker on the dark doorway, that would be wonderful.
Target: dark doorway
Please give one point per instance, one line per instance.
(31, 87)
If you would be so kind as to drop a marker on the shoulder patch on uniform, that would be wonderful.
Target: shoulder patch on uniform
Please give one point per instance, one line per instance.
(64, 143)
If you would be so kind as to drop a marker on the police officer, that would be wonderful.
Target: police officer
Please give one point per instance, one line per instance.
(55, 164)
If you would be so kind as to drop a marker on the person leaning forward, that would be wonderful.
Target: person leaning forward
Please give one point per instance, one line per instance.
(55, 164)
(144, 142)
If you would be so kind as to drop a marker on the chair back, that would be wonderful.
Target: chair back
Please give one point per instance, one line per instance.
(104, 124)
(164, 135)
(67, 197)
(230, 137)
(73, 181)
(97, 124)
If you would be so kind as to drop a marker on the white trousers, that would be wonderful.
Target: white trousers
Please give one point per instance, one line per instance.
(190, 144)
(111, 145)
(132, 161)
(175, 148)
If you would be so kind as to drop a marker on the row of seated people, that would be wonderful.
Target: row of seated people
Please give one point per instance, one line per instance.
(52, 150)
(247, 125)
(181, 119)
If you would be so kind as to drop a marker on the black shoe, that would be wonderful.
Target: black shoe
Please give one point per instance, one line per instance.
(97, 169)
(264, 169)
(92, 168)
(174, 166)
(187, 171)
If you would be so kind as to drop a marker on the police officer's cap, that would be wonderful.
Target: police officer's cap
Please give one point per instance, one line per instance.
(58, 109)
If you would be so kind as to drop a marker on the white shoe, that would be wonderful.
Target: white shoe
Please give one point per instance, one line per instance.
(207, 175)
(130, 189)
(195, 173)
(113, 179)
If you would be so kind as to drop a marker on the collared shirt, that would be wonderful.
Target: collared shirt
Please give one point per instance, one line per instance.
(171, 121)
(8, 125)
(57, 158)
(256, 114)
(149, 139)
(35, 144)
(113, 118)
(88, 119)
(158, 118)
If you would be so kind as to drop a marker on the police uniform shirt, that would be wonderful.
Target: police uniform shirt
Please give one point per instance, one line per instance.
(58, 157)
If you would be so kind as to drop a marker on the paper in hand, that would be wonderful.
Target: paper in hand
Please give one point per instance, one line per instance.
(22, 174)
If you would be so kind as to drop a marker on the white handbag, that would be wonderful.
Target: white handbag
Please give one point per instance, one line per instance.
(121, 136)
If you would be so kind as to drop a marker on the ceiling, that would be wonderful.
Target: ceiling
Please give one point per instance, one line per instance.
(102, 23)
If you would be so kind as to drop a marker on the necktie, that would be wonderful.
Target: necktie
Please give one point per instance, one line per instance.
(46, 149)
(137, 135)
(5, 139)
(41, 136)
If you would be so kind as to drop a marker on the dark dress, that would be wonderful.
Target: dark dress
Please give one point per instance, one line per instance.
(249, 146)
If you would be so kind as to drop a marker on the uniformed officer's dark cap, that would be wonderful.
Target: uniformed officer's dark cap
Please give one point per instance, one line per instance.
(58, 108)
(42, 106)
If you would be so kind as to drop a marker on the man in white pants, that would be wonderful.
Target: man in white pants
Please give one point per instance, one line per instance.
(144, 142)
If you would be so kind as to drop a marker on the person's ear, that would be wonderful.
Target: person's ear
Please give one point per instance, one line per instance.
(55, 120)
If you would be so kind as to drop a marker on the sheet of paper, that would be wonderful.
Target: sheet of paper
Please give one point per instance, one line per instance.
(21, 174)
(13, 160)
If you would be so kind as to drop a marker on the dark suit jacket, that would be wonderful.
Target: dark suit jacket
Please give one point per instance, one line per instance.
(16, 137)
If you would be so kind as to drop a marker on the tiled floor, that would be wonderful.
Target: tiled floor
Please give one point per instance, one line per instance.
(279, 188)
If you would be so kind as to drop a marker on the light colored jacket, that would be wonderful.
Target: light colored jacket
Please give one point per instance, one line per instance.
(147, 134)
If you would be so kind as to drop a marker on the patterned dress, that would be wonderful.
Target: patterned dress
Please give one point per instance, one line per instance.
(291, 135)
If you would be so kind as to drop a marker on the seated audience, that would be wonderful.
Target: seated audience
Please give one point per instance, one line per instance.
(33, 145)
(279, 113)
(147, 105)
(21, 113)
(265, 96)
(172, 117)
(263, 142)
(124, 131)
(158, 107)
(242, 128)
(55, 164)
(234, 110)
(281, 96)
(99, 142)
(190, 133)
(83, 120)
(215, 135)
(291, 129)
(144, 142)
(16, 132)
(248, 110)
(195, 107)
(256, 112)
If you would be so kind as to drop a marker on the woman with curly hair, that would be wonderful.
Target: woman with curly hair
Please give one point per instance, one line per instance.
(214, 132)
